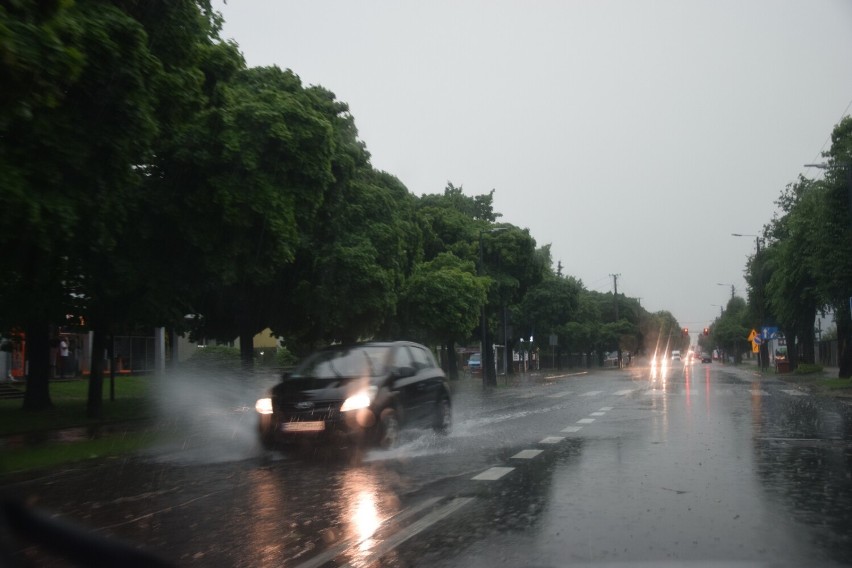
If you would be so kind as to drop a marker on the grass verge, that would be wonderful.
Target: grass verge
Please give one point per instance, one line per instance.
(52, 454)
(133, 402)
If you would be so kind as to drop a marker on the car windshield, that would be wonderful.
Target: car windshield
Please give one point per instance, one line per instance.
(362, 361)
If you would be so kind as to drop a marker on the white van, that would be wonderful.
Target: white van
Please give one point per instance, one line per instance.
(675, 355)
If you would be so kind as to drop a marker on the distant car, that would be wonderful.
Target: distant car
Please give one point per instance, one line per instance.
(363, 393)
(705, 358)
(676, 355)
(474, 364)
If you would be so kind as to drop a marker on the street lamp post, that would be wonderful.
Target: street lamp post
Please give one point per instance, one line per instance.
(763, 353)
(485, 360)
(731, 285)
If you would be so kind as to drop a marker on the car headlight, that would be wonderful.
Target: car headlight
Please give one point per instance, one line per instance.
(359, 400)
(263, 406)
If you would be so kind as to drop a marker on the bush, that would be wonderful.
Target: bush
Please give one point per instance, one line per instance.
(808, 369)
(216, 356)
(285, 358)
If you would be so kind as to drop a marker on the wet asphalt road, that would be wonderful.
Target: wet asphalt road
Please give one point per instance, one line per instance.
(710, 465)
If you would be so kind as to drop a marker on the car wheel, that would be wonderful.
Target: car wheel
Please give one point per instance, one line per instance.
(388, 428)
(443, 421)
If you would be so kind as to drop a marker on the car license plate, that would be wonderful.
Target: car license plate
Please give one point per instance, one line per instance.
(313, 426)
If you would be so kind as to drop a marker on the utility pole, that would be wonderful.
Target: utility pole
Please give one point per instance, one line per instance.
(615, 297)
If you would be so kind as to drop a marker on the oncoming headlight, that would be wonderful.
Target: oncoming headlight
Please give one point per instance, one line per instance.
(263, 406)
(359, 400)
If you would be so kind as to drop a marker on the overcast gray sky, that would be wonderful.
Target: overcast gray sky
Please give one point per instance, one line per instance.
(633, 136)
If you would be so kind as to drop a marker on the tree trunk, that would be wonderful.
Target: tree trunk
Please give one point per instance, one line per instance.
(452, 363)
(246, 348)
(844, 343)
(94, 405)
(111, 357)
(37, 394)
(489, 376)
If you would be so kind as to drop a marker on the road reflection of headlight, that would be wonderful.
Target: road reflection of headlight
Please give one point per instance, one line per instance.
(263, 406)
(366, 517)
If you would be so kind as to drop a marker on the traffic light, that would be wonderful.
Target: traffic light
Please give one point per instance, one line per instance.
(686, 331)
(706, 331)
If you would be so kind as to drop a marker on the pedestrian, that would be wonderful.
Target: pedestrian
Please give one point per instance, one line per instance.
(63, 357)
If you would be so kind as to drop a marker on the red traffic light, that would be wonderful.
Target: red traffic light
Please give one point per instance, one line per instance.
(686, 331)
(706, 331)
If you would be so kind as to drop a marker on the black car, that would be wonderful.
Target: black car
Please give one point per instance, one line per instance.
(705, 358)
(363, 393)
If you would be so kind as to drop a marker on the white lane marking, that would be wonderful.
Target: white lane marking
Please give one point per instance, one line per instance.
(792, 392)
(591, 393)
(760, 393)
(605, 409)
(585, 421)
(560, 394)
(572, 429)
(551, 440)
(493, 474)
(411, 530)
(336, 551)
(526, 454)
(724, 392)
(597, 414)
(529, 395)
(623, 392)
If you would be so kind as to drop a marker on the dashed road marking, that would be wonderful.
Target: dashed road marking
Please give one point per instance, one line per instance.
(792, 392)
(551, 440)
(585, 421)
(597, 414)
(623, 392)
(492, 474)
(572, 429)
(526, 454)
(591, 393)
(605, 409)
(760, 393)
(560, 394)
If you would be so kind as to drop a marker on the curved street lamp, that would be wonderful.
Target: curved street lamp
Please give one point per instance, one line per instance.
(731, 285)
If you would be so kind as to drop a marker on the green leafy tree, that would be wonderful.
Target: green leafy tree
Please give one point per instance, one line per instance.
(349, 273)
(442, 302)
(246, 180)
(550, 305)
(833, 258)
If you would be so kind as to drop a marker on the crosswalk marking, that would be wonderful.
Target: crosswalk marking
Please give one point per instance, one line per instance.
(597, 414)
(551, 440)
(526, 454)
(585, 421)
(560, 394)
(492, 474)
(572, 429)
